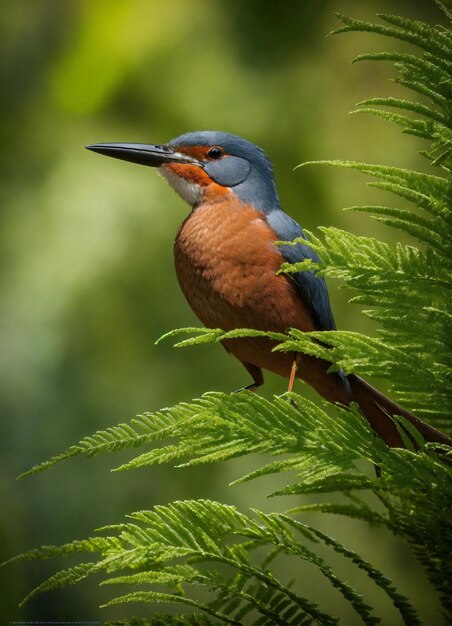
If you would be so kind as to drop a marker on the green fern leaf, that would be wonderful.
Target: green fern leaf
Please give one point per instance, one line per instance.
(62, 579)
(406, 105)
(407, 611)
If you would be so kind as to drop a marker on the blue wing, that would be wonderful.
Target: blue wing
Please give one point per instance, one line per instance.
(312, 288)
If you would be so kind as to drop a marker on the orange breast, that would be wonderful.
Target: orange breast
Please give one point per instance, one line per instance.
(226, 262)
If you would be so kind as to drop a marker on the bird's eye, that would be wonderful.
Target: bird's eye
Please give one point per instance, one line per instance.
(215, 153)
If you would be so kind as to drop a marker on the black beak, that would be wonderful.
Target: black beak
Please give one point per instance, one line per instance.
(143, 153)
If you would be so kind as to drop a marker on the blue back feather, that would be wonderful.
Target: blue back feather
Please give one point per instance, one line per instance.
(312, 288)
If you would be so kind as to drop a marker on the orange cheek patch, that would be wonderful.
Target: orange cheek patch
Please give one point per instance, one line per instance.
(196, 175)
(193, 173)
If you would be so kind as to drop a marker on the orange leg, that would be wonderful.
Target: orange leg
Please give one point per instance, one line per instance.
(293, 373)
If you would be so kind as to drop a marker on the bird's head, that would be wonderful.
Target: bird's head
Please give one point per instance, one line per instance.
(206, 164)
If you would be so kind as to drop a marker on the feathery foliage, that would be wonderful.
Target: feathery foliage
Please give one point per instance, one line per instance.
(326, 452)
(172, 552)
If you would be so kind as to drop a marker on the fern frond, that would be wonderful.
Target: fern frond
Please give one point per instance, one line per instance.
(92, 544)
(433, 187)
(214, 335)
(430, 231)
(427, 71)
(429, 75)
(407, 105)
(407, 611)
(62, 579)
(158, 597)
(361, 512)
(205, 335)
(416, 127)
(428, 38)
(324, 451)
(117, 438)
(197, 530)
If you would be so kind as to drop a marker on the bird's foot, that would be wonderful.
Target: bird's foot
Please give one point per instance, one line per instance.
(251, 387)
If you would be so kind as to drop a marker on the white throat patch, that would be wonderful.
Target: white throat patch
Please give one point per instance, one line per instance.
(188, 191)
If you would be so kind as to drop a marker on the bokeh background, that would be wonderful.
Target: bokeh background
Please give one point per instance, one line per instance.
(86, 277)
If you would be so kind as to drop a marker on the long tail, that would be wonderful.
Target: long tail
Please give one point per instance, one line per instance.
(379, 410)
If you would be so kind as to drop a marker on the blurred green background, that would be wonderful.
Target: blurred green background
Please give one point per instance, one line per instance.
(86, 275)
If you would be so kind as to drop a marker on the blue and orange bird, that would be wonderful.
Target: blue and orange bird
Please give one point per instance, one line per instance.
(227, 264)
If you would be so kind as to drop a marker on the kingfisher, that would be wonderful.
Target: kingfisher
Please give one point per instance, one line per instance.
(227, 263)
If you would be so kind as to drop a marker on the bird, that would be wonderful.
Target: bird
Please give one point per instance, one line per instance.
(227, 263)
